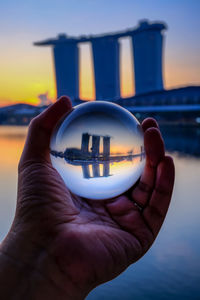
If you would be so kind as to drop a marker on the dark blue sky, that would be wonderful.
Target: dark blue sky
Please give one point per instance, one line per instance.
(48, 17)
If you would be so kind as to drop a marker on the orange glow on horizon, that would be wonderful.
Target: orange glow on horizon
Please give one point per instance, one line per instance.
(86, 84)
(25, 75)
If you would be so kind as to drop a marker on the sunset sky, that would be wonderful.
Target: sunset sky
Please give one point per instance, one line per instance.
(27, 71)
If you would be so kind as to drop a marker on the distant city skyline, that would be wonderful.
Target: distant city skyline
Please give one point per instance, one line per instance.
(27, 71)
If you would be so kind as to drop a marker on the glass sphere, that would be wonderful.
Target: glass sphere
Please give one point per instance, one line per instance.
(98, 149)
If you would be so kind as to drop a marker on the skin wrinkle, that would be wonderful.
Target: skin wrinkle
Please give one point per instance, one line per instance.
(148, 226)
(144, 187)
(128, 255)
(32, 267)
(135, 234)
(27, 210)
(67, 275)
(121, 213)
(132, 258)
(121, 227)
(130, 211)
(162, 192)
(37, 163)
(28, 267)
(142, 237)
(61, 270)
(36, 199)
(81, 204)
(98, 215)
(155, 210)
(115, 257)
(21, 267)
(34, 172)
(35, 271)
(104, 216)
(40, 194)
(114, 262)
(69, 266)
(154, 232)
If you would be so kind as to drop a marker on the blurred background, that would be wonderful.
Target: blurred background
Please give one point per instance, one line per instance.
(143, 55)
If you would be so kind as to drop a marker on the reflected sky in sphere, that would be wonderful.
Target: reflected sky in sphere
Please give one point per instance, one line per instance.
(98, 150)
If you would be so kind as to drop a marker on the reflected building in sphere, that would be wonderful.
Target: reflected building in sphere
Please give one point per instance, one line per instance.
(85, 143)
(95, 145)
(86, 157)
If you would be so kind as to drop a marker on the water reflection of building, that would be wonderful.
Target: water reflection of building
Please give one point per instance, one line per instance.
(101, 168)
(96, 169)
(92, 158)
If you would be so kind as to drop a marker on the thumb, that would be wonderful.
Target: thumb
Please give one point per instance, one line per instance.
(40, 129)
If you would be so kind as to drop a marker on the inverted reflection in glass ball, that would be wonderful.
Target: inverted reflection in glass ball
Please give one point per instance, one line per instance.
(98, 150)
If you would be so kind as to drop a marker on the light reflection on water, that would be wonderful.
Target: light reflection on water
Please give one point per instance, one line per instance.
(171, 269)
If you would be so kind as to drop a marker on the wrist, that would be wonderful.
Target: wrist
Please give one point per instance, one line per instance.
(28, 271)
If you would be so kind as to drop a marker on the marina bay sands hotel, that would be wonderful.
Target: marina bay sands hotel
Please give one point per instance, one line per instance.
(147, 42)
(151, 98)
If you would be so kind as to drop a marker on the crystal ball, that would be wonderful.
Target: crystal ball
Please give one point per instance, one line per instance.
(98, 149)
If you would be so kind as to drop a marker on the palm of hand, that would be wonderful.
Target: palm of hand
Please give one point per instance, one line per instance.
(84, 233)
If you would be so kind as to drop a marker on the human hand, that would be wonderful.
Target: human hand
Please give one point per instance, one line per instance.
(69, 244)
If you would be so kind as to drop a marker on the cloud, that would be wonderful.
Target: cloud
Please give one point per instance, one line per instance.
(44, 100)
